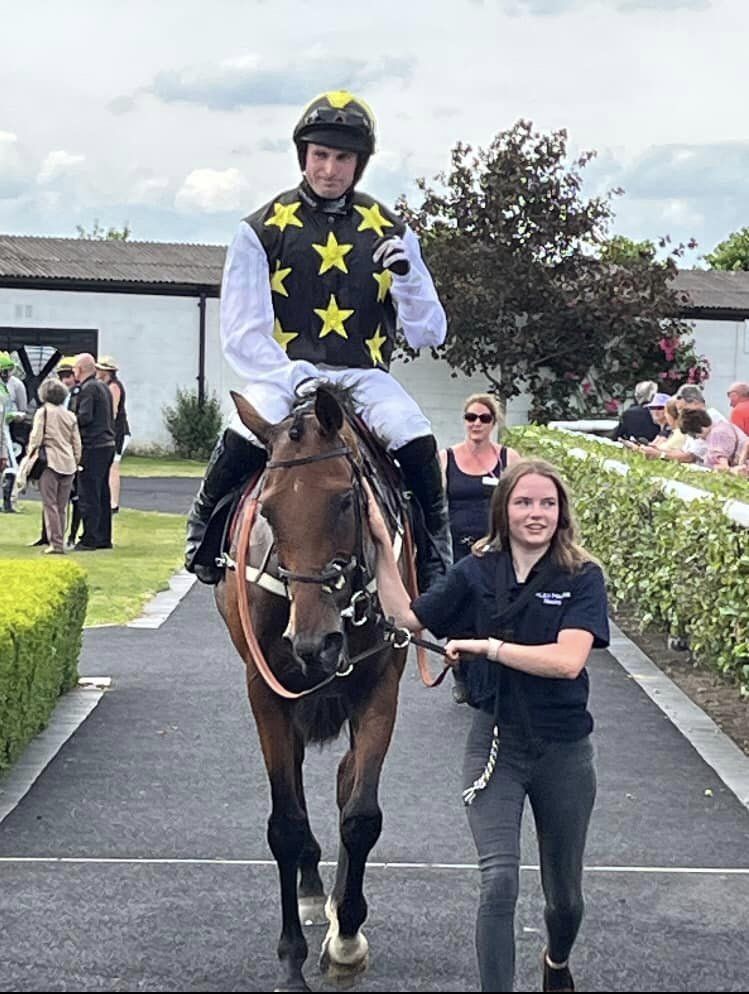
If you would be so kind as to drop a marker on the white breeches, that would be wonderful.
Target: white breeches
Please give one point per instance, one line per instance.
(380, 400)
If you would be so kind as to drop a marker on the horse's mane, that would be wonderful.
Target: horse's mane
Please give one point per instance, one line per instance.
(353, 429)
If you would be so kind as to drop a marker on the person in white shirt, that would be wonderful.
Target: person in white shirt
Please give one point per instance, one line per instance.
(316, 284)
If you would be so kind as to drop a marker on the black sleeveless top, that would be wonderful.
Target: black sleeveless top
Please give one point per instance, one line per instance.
(468, 501)
(121, 426)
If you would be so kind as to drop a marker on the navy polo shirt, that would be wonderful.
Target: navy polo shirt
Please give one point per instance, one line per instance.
(466, 603)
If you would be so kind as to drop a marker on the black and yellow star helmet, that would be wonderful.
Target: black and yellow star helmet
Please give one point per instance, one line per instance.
(337, 119)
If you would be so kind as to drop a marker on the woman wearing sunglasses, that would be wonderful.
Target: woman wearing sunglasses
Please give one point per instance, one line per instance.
(471, 472)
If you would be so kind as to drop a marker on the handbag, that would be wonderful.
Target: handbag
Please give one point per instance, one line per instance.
(40, 463)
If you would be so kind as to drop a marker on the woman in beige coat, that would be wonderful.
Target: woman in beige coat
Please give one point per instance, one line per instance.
(57, 429)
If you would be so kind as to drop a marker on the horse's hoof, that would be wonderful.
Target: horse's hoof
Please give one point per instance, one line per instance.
(339, 972)
(312, 910)
(342, 959)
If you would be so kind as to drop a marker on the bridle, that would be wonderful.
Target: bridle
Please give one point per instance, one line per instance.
(363, 606)
(338, 572)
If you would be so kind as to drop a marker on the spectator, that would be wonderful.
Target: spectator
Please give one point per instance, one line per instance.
(56, 428)
(742, 463)
(690, 397)
(657, 408)
(96, 424)
(676, 438)
(106, 371)
(66, 376)
(471, 472)
(4, 438)
(670, 437)
(636, 422)
(723, 441)
(9, 413)
(738, 398)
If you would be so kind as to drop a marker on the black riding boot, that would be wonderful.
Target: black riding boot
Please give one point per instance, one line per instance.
(8, 482)
(423, 477)
(233, 460)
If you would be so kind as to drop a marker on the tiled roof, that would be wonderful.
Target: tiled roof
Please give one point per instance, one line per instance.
(712, 289)
(34, 258)
(31, 258)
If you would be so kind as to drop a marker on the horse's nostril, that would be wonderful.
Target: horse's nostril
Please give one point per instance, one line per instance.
(331, 650)
(319, 653)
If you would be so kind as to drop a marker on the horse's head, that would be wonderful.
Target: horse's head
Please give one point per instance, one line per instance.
(312, 500)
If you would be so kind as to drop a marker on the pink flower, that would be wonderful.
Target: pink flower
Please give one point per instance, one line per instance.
(587, 387)
(612, 406)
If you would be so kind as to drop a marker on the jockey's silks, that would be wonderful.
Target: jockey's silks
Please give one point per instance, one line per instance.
(332, 304)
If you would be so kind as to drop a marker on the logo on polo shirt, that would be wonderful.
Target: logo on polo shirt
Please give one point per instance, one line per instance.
(554, 597)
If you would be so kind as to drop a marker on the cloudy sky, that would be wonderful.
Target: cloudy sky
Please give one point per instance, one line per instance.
(176, 117)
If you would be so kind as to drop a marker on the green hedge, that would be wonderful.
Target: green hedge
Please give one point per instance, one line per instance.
(683, 565)
(42, 607)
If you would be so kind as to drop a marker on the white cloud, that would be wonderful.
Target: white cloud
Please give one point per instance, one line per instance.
(150, 190)
(57, 165)
(246, 81)
(211, 190)
(14, 177)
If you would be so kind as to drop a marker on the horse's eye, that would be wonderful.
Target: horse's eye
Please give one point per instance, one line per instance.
(346, 502)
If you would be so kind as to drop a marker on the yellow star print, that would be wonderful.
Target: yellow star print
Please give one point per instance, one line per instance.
(372, 218)
(384, 282)
(277, 278)
(283, 337)
(332, 254)
(332, 318)
(285, 215)
(374, 344)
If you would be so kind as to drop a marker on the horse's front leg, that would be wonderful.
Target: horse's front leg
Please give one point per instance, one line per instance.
(288, 827)
(345, 949)
(311, 889)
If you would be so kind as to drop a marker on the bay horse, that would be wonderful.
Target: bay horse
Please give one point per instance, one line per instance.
(300, 604)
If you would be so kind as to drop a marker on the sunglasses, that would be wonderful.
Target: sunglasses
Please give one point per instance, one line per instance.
(485, 419)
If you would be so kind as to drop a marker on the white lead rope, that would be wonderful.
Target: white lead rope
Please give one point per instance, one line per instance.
(480, 783)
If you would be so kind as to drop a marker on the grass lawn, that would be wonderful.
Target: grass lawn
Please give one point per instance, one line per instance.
(143, 466)
(148, 549)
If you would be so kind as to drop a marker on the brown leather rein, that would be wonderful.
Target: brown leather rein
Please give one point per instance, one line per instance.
(400, 637)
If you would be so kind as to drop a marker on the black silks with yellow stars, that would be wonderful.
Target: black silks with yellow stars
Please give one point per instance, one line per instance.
(331, 303)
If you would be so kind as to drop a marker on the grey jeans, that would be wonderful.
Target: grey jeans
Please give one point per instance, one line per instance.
(560, 784)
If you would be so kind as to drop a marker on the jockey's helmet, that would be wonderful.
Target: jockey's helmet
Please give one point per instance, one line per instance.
(337, 119)
(66, 364)
(6, 362)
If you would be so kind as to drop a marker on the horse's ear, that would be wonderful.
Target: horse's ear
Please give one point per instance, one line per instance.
(250, 418)
(328, 412)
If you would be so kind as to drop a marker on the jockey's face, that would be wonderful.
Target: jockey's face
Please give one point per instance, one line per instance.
(330, 171)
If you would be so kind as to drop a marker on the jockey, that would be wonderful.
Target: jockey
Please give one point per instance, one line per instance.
(315, 284)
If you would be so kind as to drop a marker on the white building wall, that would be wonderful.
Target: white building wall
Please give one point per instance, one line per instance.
(155, 340)
(726, 345)
(441, 396)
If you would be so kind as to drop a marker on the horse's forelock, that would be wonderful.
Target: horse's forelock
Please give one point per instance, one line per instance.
(296, 431)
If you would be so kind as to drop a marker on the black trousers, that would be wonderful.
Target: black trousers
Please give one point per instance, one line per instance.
(94, 497)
